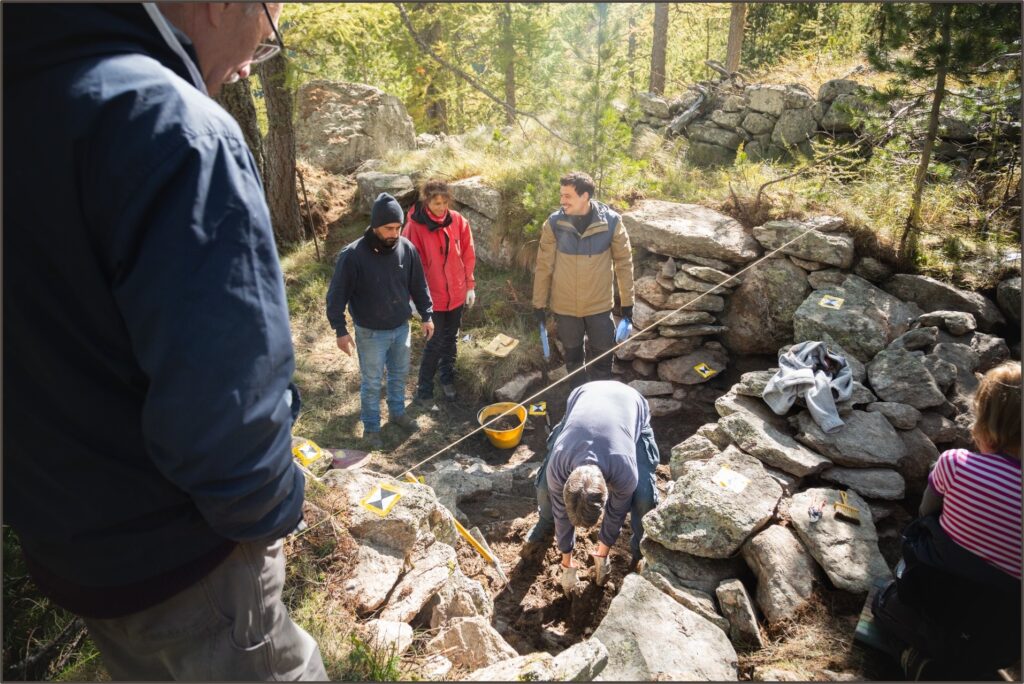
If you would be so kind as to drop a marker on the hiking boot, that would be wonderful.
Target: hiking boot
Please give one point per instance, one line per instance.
(422, 401)
(404, 421)
(449, 392)
(373, 441)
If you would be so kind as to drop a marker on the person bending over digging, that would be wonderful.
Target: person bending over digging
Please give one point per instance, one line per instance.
(601, 457)
(445, 245)
(954, 608)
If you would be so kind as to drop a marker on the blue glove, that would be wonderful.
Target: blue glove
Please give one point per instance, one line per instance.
(544, 342)
(623, 330)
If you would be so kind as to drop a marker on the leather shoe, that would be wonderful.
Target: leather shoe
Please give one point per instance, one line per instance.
(373, 440)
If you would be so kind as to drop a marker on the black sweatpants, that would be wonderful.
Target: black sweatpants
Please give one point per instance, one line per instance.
(439, 351)
(599, 331)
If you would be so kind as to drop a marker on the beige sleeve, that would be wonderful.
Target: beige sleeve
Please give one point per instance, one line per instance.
(622, 261)
(545, 267)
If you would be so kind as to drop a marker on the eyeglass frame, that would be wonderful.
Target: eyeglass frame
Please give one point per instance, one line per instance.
(268, 49)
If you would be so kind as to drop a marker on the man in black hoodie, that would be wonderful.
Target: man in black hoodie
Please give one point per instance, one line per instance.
(375, 277)
(147, 350)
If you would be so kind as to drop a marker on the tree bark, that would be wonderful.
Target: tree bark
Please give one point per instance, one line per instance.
(236, 98)
(631, 53)
(434, 105)
(735, 45)
(508, 57)
(658, 48)
(911, 231)
(280, 153)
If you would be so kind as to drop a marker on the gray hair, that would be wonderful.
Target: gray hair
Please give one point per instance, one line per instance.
(585, 493)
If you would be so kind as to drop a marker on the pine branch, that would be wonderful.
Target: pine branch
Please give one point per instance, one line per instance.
(466, 77)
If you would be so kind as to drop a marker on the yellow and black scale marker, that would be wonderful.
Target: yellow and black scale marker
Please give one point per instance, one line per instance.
(382, 498)
(704, 370)
(831, 302)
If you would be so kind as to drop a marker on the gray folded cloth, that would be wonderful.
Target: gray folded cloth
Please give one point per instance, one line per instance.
(817, 374)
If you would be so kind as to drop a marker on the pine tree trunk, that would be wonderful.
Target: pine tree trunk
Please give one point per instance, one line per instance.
(911, 231)
(435, 107)
(236, 98)
(508, 56)
(735, 45)
(280, 153)
(658, 48)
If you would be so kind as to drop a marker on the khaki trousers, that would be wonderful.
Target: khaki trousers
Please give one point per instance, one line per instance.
(231, 625)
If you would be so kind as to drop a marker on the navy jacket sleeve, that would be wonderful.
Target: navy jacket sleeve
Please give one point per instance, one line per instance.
(200, 290)
(340, 291)
(418, 285)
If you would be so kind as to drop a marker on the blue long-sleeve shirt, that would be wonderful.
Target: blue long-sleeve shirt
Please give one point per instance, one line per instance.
(375, 284)
(602, 424)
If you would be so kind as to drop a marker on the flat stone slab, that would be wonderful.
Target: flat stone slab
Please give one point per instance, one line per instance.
(834, 249)
(692, 572)
(430, 570)
(649, 636)
(697, 601)
(785, 572)
(874, 483)
(680, 230)
(738, 610)
(772, 446)
(715, 506)
(374, 573)
(934, 295)
(897, 375)
(847, 552)
(695, 367)
(866, 439)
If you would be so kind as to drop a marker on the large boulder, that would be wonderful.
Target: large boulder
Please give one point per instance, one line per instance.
(649, 636)
(474, 193)
(866, 439)
(693, 448)
(374, 573)
(848, 552)
(920, 455)
(715, 506)
(415, 517)
(933, 295)
(372, 183)
(767, 99)
(865, 322)
(874, 483)
(339, 125)
(697, 601)
(679, 230)
(387, 636)
(471, 642)
(739, 611)
(459, 596)
(785, 572)
(897, 375)
(772, 446)
(466, 478)
(759, 315)
(690, 571)
(794, 126)
(431, 569)
(1008, 296)
(834, 249)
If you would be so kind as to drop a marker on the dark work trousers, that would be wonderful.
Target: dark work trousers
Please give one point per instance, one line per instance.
(439, 351)
(599, 331)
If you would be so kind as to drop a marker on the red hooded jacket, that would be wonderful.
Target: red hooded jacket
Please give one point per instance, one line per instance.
(446, 251)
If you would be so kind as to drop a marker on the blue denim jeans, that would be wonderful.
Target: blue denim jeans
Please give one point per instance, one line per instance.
(380, 349)
(645, 498)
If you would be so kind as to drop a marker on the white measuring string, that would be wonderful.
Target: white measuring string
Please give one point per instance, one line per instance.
(583, 367)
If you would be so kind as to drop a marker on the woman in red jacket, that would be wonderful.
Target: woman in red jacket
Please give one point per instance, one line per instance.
(445, 244)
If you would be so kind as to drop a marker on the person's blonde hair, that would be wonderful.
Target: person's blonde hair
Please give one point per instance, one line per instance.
(997, 410)
(584, 494)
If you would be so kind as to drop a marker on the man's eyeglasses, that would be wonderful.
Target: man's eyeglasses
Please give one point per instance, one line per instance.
(265, 51)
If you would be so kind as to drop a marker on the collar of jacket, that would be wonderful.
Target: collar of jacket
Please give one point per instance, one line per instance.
(598, 225)
(376, 244)
(422, 216)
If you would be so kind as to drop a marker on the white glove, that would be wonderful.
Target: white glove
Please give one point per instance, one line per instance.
(470, 298)
(568, 579)
(603, 568)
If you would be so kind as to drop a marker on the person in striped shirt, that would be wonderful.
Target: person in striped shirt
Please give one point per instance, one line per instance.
(978, 495)
(955, 606)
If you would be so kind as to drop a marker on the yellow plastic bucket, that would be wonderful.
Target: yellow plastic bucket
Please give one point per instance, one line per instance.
(503, 439)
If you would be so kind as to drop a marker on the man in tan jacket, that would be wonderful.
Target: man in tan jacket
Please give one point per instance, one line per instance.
(581, 246)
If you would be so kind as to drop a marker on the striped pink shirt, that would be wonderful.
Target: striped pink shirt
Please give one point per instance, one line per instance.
(981, 505)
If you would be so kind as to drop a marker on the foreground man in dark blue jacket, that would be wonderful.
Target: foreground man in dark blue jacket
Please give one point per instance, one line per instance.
(147, 354)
